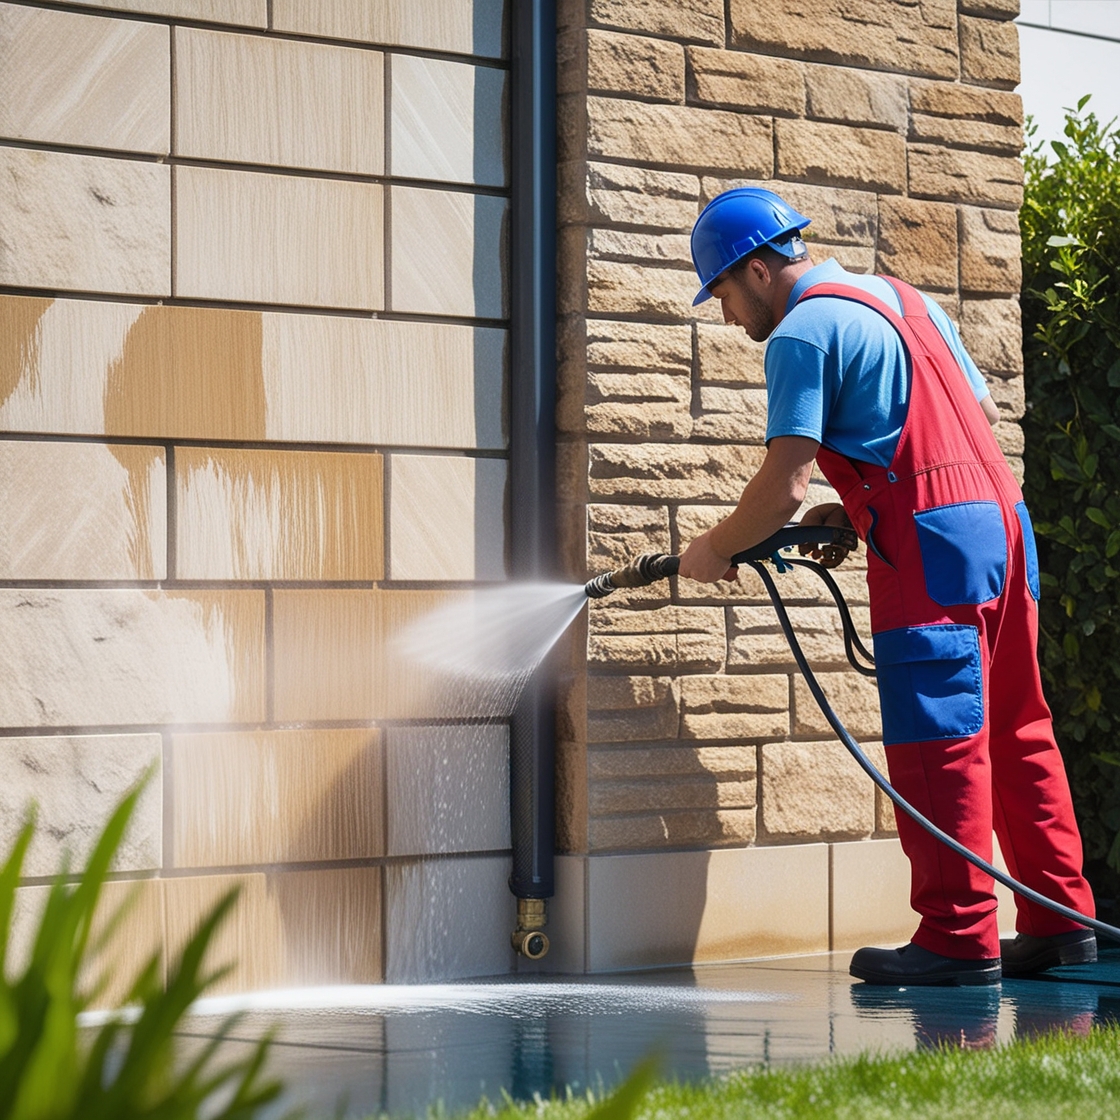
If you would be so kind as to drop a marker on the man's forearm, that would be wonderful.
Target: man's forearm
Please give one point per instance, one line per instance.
(771, 497)
(759, 514)
(768, 502)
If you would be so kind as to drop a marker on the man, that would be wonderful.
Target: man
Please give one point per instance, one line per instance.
(870, 379)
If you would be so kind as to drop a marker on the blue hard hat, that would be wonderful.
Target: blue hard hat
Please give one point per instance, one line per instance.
(736, 223)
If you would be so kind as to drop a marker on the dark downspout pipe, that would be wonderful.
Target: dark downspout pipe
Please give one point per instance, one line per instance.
(532, 440)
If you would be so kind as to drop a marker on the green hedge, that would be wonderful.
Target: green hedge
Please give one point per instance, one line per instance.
(1071, 336)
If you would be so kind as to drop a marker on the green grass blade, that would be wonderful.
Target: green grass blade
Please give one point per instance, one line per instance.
(9, 881)
(623, 1103)
(147, 1059)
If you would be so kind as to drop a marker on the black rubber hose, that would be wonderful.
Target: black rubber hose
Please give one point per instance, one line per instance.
(1103, 928)
(852, 640)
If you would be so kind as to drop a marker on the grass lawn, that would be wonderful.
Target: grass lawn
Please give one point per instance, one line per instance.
(1048, 1078)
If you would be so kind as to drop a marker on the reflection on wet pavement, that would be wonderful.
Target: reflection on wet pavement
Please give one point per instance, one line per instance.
(402, 1049)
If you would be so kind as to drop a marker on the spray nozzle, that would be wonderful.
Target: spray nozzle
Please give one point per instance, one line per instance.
(640, 572)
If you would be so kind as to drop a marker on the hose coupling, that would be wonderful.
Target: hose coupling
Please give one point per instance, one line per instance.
(527, 939)
(640, 572)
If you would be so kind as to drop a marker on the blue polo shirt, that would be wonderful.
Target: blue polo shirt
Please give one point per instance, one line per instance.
(836, 370)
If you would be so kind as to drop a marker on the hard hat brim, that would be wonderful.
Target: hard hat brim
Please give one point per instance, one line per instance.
(793, 249)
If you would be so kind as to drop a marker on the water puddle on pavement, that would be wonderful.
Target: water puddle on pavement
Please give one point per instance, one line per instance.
(400, 1049)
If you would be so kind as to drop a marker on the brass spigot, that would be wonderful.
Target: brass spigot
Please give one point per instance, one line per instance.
(527, 939)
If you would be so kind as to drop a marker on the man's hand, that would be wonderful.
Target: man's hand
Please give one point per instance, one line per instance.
(831, 513)
(769, 500)
(701, 562)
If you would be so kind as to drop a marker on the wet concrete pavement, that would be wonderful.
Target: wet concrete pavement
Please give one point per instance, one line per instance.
(399, 1050)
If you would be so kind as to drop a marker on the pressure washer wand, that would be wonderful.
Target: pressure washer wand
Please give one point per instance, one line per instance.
(652, 566)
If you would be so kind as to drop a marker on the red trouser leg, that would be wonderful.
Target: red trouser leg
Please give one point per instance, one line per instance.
(1009, 777)
(1033, 811)
(948, 781)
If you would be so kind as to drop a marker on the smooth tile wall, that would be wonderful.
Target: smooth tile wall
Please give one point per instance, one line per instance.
(314, 105)
(99, 368)
(253, 419)
(446, 251)
(247, 13)
(82, 511)
(455, 26)
(449, 121)
(447, 516)
(67, 78)
(278, 515)
(263, 797)
(282, 239)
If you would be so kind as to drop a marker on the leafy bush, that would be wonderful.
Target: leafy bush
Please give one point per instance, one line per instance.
(51, 1069)
(1071, 327)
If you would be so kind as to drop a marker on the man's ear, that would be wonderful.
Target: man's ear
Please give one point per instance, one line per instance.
(757, 266)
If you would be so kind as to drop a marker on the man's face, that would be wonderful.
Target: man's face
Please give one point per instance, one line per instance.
(742, 301)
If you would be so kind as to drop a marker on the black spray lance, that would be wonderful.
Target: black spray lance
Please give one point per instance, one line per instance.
(648, 569)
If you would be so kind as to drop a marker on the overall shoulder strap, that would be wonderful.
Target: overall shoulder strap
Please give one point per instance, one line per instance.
(857, 295)
(912, 303)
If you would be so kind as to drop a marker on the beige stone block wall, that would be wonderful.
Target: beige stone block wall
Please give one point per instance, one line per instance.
(465, 233)
(67, 78)
(211, 373)
(315, 106)
(246, 13)
(137, 909)
(447, 789)
(278, 515)
(76, 782)
(280, 239)
(447, 517)
(83, 511)
(448, 121)
(243, 439)
(324, 797)
(688, 741)
(84, 222)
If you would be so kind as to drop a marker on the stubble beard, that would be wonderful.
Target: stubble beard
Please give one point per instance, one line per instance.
(762, 318)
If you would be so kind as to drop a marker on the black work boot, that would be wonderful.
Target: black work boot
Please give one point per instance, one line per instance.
(1024, 955)
(913, 965)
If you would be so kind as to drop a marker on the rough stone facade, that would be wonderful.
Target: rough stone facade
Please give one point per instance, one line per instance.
(893, 124)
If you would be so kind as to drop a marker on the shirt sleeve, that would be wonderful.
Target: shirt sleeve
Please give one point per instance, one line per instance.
(797, 399)
(949, 332)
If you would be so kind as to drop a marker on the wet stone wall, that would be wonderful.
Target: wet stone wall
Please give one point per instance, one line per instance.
(253, 325)
(685, 729)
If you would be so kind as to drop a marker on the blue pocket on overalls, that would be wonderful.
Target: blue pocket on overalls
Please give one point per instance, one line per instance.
(1030, 550)
(930, 682)
(964, 552)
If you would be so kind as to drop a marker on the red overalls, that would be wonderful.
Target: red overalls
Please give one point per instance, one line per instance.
(953, 578)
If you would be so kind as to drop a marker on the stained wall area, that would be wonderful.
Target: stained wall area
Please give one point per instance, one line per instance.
(706, 812)
(253, 332)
